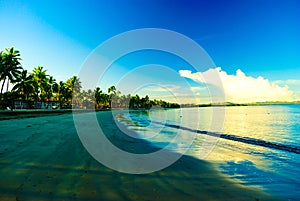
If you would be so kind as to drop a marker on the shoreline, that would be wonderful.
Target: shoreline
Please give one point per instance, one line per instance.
(43, 159)
(33, 113)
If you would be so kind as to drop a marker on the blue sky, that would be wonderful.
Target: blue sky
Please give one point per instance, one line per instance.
(260, 37)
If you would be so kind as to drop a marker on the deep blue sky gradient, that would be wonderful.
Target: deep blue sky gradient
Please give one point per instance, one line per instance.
(261, 37)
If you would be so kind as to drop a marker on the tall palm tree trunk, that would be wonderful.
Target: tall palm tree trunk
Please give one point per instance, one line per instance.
(3, 85)
(2, 98)
(7, 84)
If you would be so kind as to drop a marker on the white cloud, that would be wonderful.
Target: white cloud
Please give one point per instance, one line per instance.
(197, 89)
(288, 82)
(244, 89)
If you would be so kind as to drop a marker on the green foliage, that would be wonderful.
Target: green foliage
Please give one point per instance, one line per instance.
(40, 79)
(39, 86)
(24, 86)
(10, 69)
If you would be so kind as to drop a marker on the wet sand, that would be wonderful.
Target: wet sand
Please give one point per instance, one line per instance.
(43, 159)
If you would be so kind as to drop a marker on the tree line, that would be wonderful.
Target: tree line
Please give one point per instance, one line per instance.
(39, 86)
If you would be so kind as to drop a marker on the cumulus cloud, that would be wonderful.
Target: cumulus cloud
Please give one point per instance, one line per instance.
(245, 89)
(288, 82)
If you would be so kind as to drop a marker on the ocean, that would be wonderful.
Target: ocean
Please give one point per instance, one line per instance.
(254, 145)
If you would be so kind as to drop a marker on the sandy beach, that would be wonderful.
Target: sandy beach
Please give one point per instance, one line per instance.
(42, 158)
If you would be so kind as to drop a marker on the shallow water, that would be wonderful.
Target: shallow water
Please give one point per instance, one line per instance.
(256, 145)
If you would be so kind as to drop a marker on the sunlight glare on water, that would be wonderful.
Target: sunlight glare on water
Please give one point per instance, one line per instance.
(251, 164)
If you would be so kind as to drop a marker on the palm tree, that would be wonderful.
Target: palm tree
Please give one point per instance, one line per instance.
(87, 99)
(55, 88)
(24, 86)
(98, 97)
(61, 92)
(106, 100)
(124, 101)
(73, 86)
(10, 67)
(145, 102)
(1, 64)
(112, 92)
(40, 81)
(2, 70)
(135, 102)
(50, 88)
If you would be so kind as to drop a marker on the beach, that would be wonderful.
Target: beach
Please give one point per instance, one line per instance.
(149, 100)
(42, 158)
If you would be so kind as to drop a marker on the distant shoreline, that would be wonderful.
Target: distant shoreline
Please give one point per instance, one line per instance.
(241, 104)
(32, 113)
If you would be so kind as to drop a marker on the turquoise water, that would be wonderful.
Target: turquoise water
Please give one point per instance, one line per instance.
(256, 145)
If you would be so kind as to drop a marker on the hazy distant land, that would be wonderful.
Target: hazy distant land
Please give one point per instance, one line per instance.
(243, 104)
